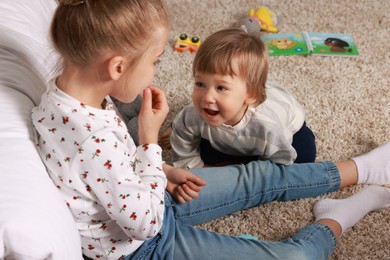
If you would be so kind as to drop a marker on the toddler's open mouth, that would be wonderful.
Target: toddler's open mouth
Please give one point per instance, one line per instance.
(211, 112)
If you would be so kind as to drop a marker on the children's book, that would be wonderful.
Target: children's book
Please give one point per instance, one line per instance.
(310, 43)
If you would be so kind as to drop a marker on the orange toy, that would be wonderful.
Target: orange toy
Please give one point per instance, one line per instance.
(184, 43)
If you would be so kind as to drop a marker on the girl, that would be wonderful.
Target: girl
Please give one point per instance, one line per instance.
(116, 190)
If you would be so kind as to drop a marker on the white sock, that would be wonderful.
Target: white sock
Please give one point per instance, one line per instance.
(374, 166)
(347, 212)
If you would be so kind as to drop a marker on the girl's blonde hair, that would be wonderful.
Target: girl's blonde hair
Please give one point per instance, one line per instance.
(234, 52)
(81, 29)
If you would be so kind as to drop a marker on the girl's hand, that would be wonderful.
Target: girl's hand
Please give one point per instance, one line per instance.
(153, 112)
(183, 185)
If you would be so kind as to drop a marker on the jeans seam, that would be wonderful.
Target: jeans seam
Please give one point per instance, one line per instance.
(333, 184)
(334, 176)
(239, 200)
(328, 231)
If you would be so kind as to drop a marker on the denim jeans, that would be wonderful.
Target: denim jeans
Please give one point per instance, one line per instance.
(234, 188)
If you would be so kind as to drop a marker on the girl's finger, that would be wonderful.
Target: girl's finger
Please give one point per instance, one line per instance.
(146, 100)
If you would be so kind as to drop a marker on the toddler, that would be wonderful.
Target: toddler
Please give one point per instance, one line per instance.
(235, 115)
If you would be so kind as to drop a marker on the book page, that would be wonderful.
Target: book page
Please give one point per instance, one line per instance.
(331, 44)
(285, 44)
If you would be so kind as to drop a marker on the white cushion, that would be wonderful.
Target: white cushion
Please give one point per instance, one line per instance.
(34, 220)
(24, 26)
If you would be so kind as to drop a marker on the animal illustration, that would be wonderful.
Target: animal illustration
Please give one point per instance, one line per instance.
(283, 43)
(337, 45)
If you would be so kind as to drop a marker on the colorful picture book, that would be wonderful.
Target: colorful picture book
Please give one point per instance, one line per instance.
(310, 43)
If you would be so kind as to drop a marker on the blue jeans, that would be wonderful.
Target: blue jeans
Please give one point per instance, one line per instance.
(234, 188)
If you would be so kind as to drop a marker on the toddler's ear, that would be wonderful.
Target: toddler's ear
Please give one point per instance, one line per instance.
(116, 66)
(251, 99)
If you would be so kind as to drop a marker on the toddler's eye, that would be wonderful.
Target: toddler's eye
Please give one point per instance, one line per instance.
(221, 88)
(199, 84)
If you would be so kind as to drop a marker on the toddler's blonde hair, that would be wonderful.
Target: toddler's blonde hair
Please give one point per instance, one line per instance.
(234, 52)
(81, 29)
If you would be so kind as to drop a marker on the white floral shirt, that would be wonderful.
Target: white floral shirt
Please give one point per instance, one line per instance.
(114, 190)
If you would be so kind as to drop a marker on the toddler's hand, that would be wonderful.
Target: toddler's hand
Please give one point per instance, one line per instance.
(183, 185)
(153, 112)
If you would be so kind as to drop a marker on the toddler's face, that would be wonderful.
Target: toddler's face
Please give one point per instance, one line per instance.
(220, 99)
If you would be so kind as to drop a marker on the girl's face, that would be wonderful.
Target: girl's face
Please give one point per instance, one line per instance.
(220, 99)
(141, 74)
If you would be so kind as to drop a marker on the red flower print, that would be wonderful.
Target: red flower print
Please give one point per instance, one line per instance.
(48, 156)
(88, 188)
(124, 196)
(84, 175)
(119, 121)
(96, 153)
(53, 130)
(145, 146)
(65, 119)
(123, 208)
(52, 116)
(133, 216)
(154, 185)
(91, 247)
(112, 250)
(98, 140)
(67, 159)
(41, 120)
(102, 180)
(82, 105)
(153, 222)
(88, 127)
(108, 165)
(109, 205)
(103, 226)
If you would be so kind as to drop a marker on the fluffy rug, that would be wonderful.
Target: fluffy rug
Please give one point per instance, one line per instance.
(347, 101)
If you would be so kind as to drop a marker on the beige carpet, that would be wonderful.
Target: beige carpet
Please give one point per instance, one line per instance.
(347, 101)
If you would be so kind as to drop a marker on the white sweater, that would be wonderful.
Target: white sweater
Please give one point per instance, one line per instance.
(266, 130)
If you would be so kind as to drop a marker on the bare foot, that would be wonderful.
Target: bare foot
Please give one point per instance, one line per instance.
(165, 139)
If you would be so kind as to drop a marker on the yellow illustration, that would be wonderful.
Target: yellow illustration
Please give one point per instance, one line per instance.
(283, 43)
